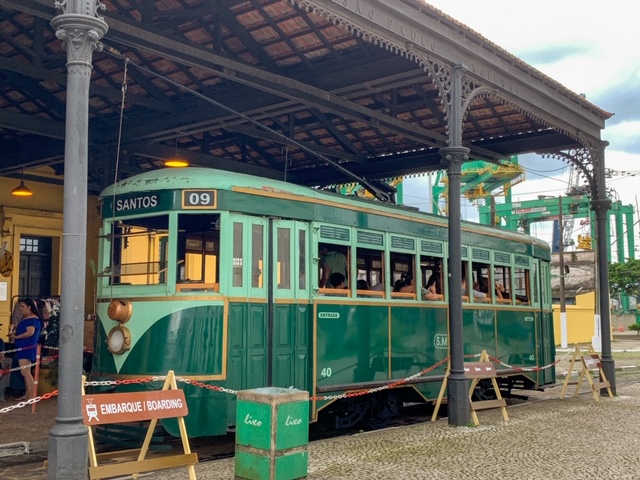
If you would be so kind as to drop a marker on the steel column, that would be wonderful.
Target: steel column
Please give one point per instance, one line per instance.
(454, 156)
(601, 206)
(80, 30)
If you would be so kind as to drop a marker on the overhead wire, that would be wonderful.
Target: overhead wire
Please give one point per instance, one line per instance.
(287, 140)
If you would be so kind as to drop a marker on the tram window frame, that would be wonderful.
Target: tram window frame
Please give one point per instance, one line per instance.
(521, 286)
(502, 275)
(198, 242)
(121, 238)
(481, 270)
(284, 257)
(258, 231)
(429, 266)
(343, 248)
(402, 264)
(366, 269)
(237, 254)
(303, 253)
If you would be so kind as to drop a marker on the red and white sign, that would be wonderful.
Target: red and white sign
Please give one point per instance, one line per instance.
(132, 407)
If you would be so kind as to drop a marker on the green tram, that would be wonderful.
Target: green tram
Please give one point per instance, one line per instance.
(216, 276)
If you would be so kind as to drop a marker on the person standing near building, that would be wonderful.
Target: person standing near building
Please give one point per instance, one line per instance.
(5, 374)
(331, 261)
(25, 338)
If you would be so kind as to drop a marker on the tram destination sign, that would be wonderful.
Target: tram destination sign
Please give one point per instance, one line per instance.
(134, 204)
(133, 407)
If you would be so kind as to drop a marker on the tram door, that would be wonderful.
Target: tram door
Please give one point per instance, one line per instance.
(290, 325)
(35, 267)
(541, 298)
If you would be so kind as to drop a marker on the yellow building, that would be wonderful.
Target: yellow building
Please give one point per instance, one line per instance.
(38, 217)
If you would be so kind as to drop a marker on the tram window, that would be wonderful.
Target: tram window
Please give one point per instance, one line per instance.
(502, 277)
(481, 274)
(534, 286)
(284, 258)
(237, 254)
(370, 272)
(431, 271)
(257, 255)
(333, 258)
(402, 274)
(521, 285)
(302, 260)
(198, 250)
(139, 251)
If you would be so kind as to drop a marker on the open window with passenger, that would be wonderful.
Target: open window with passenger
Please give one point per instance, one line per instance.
(370, 279)
(403, 276)
(502, 286)
(481, 278)
(432, 280)
(138, 253)
(333, 269)
(198, 252)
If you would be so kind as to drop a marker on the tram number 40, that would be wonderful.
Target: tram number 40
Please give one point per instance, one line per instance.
(326, 372)
(198, 198)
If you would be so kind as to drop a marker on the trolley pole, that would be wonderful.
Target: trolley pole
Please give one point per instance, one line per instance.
(80, 30)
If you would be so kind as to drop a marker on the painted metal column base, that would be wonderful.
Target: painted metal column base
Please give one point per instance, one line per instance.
(68, 450)
(458, 402)
(609, 369)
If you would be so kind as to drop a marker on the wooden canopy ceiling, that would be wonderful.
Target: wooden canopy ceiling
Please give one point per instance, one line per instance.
(301, 90)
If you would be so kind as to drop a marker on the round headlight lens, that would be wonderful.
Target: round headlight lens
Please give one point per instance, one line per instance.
(119, 340)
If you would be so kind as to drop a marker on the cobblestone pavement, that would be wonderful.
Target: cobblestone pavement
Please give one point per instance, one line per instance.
(574, 438)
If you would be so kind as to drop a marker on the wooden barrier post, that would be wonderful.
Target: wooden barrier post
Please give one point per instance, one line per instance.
(590, 361)
(440, 399)
(478, 371)
(128, 407)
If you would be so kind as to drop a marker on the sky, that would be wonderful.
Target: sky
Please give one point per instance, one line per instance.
(592, 48)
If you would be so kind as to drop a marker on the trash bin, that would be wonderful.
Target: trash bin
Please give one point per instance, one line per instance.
(272, 434)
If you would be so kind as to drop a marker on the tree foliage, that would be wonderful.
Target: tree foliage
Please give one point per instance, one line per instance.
(624, 278)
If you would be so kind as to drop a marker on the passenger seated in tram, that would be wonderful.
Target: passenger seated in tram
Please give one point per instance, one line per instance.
(431, 291)
(336, 280)
(477, 294)
(408, 285)
(362, 284)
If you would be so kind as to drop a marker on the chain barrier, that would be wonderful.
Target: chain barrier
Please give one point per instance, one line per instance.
(16, 369)
(31, 401)
(217, 388)
(21, 349)
(530, 369)
(384, 387)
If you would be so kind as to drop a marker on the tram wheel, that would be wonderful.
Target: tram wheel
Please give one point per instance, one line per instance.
(382, 408)
(484, 391)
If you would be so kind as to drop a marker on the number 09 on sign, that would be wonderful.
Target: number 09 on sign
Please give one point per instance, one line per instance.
(198, 199)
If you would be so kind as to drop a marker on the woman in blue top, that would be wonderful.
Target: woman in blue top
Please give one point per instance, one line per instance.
(26, 337)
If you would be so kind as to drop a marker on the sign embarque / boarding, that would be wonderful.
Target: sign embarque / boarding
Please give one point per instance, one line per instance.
(131, 407)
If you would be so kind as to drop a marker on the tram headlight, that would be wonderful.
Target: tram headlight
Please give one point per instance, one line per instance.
(120, 310)
(119, 340)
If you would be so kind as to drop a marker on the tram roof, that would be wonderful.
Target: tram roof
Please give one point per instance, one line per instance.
(209, 178)
(297, 85)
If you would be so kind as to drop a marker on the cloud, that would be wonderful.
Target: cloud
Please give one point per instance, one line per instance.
(622, 99)
(551, 54)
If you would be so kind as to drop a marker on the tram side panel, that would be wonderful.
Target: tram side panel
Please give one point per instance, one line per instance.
(419, 339)
(352, 344)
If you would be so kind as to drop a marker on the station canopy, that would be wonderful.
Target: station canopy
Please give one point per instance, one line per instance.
(316, 93)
